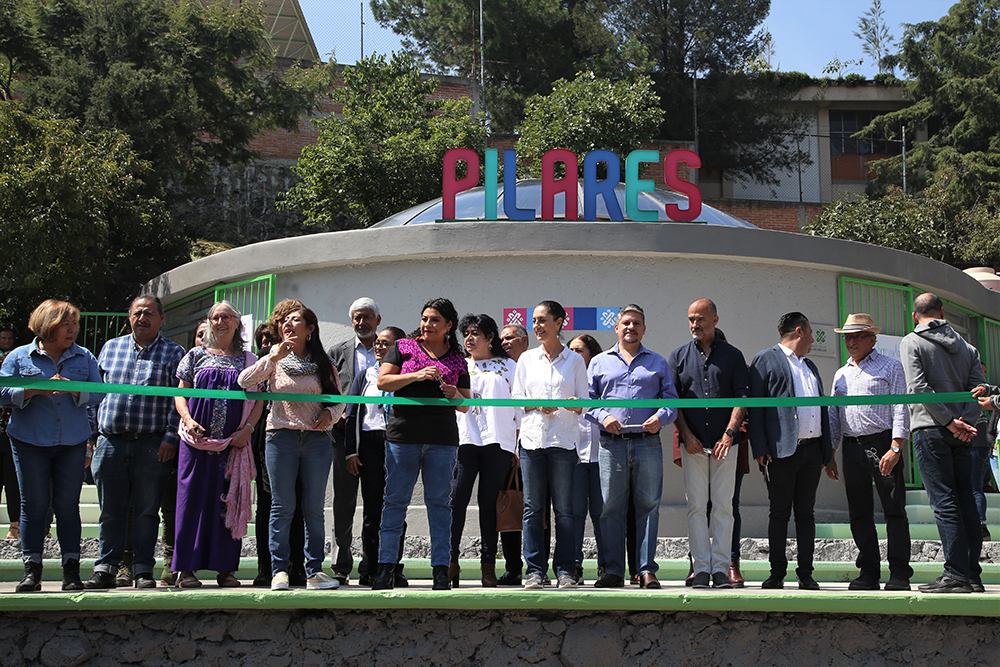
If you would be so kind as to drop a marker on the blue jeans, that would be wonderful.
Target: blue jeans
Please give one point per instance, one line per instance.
(587, 496)
(127, 472)
(548, 471)
(49, 476)
(403, 462)
(946, 469)
(291, 455)
(635, 465)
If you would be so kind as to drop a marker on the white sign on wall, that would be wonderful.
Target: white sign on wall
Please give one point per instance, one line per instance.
(825, 343)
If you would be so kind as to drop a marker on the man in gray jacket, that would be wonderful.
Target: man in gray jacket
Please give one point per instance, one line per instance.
(937, 360)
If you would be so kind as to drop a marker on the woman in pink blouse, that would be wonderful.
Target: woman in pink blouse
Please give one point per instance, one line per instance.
(298, 443)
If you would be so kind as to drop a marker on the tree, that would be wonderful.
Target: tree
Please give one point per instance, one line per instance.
(744, 126)
(917, 225)
(952, 66)
(190, 83)
(589, 113)
(876, 41)
(384, 152)
(528, 44)
(76, 223)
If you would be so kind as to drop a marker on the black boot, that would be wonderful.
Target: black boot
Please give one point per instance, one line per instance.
(385, 578)
(441, 580)
(71, 576)
(32, 578)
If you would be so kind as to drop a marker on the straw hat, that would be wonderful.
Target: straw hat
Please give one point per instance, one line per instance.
(859, 322)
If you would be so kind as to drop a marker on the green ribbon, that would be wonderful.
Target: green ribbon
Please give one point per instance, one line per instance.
(141, 390)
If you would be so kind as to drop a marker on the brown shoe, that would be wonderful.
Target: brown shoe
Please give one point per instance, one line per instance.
(489, 571)
(648, 580)
(188, 580)
(227, 580)
(14, 532)
(453, 571)
(734, 573)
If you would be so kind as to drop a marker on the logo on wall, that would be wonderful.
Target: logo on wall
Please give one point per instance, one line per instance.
(577, 319)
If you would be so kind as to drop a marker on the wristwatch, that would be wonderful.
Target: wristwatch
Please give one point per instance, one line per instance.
(731, 433)
(895, 448)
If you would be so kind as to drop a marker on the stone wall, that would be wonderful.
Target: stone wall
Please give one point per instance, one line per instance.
(487, 638)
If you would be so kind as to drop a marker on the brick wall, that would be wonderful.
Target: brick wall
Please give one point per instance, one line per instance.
(779, 216)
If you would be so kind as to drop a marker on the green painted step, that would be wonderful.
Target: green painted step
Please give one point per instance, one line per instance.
(842, 531)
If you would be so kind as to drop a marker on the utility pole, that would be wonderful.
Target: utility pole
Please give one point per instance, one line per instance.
(904, 160)
(362, 30)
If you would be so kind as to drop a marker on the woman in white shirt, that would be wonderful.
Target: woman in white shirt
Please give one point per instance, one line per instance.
(587, 477)
(549, 438)
(487, 437)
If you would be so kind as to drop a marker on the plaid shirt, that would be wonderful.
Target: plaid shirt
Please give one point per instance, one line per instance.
(877, 374)
(124, 362)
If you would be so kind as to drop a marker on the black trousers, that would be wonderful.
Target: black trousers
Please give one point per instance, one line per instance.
(860, 469)
(371, 475)
(792, 483)
(8, 477)
(345, 502)
(490, 463)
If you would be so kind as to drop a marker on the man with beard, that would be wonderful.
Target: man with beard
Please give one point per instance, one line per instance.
(351, 358)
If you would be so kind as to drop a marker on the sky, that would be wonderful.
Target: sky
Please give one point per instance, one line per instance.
(808, 34)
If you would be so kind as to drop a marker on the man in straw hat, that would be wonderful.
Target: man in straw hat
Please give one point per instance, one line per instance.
(873, 437)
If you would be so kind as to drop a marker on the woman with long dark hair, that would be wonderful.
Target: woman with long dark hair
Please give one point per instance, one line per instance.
(422, 438)
(549, 440)
(298, 443)
(488, 436)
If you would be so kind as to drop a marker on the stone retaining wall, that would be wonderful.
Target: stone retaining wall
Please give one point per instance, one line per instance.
(487, 638)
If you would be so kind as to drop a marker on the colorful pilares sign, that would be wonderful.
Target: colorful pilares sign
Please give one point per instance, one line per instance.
(592, 187)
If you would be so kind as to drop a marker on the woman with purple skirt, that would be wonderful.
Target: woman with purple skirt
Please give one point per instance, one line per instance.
(202, 540)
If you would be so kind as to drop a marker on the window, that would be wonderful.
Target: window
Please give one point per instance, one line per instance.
(843, 124)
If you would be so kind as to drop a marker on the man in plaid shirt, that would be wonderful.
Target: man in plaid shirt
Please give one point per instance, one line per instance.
(873, 437)
(138, 438)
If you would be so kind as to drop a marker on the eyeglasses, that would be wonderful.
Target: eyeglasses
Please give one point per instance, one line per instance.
(382, 343)
(221, 318)
(858, 336)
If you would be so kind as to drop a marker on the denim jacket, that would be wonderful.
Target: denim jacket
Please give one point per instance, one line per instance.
(46, 421)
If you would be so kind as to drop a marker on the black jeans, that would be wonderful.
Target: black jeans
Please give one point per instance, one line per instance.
(792, 482)
(490, 463)
(860, 469)
(371, 474)
(345, 502)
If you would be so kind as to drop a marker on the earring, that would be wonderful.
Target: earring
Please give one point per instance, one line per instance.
(309, 337)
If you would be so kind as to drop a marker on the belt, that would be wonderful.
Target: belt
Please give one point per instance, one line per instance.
(130, 435)
(865, 439)
(809, 441)
(627, 436)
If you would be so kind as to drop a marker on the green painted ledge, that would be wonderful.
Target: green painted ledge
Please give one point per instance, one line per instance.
(672, 598)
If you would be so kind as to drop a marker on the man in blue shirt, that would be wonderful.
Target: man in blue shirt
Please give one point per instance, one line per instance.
(709, 367)
(138, 438)
(630, 456)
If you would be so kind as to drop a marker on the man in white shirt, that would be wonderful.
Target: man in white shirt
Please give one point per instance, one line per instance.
(791, 444)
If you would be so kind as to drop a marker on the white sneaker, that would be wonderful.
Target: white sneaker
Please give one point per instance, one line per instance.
(321, 581)
(567, 581)
(279, 582)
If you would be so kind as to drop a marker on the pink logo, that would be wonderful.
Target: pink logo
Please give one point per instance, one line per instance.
(515, 316)
(568, 325)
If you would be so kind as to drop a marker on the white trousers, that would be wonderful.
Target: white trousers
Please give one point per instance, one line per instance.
(706, 479)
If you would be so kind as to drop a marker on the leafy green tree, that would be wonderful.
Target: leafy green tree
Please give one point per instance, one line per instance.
(952, 66)
(384, 152)
(917, 225)
(75, 221)
(528, 44)
(744, 126)
(589, 113)
(181, 78)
